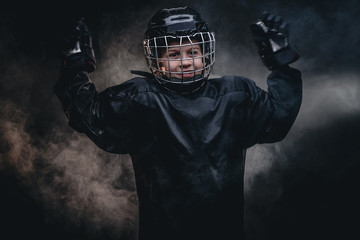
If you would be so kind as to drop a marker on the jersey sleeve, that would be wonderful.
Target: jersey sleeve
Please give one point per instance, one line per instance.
(106, 118)
(272, 113)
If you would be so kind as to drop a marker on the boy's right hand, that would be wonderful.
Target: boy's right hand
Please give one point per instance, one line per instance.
(77, 49)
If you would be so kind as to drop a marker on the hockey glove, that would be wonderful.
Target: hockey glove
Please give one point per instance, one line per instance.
(271, 37)
(77, 49)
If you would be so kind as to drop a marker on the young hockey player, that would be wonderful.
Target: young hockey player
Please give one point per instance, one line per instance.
(187, 134)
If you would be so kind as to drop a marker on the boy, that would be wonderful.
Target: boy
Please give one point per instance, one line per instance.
(187, 135)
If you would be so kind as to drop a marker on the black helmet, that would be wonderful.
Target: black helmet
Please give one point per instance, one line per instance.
(182, 30)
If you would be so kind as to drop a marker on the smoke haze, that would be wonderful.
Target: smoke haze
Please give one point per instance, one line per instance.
(56, 184)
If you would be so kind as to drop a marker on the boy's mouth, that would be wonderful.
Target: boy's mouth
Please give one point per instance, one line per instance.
(188, 75)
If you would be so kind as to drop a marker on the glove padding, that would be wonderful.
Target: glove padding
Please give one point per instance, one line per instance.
(271, 37)
(77, 49)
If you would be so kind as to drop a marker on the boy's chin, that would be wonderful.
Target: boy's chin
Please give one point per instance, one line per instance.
(188, 80)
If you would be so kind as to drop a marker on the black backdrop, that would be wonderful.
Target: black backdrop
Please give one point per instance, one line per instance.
(55, 184)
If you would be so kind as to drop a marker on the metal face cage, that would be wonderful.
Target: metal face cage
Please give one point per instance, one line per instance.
(170, 58)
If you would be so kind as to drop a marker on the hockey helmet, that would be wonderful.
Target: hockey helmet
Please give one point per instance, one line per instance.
(179, 28)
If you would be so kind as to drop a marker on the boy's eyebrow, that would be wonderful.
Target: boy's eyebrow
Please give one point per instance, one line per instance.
(174, 50)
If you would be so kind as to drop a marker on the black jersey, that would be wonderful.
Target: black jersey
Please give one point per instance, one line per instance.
(188, 150)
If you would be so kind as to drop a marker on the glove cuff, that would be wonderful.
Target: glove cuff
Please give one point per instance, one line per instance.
(77, 62)
(282, 57)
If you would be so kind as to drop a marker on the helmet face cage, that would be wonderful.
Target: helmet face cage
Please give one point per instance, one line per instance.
(157, 55)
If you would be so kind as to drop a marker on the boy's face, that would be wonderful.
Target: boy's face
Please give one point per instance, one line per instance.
(182, 62)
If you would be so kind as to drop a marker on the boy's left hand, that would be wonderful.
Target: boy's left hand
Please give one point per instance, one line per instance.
(271, 37)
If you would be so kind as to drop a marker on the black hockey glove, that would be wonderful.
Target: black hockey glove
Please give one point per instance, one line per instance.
(271, 37)
(77, 49)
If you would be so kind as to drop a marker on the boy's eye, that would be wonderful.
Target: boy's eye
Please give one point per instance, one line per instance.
(194, 53)
(173, 54)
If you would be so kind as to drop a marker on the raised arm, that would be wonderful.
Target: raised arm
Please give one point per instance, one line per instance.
(88, 112)
(273, 112)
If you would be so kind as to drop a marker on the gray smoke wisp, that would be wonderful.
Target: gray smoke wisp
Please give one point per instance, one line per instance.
(326, 103)
(75, 180)
(15, 149)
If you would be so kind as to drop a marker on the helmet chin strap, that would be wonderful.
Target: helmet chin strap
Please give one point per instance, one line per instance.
(188, 81)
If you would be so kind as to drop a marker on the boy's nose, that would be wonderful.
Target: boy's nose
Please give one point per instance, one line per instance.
(187, 62)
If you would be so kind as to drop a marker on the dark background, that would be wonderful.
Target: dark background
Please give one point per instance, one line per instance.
(55, 184)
